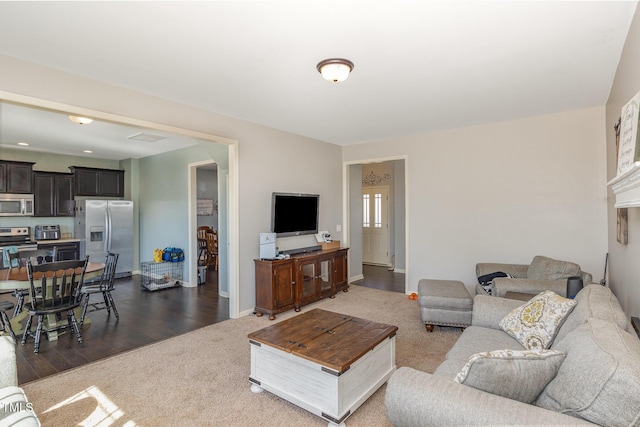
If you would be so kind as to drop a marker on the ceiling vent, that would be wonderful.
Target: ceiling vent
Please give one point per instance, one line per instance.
(146, 137)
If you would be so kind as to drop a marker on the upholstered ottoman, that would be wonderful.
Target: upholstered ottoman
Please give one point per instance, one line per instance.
(444, 303)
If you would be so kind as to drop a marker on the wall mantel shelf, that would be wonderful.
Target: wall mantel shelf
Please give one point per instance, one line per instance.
(626, 187)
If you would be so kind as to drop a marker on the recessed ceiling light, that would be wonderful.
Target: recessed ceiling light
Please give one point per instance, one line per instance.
(24, 144)
(80, 120)
(88, 151)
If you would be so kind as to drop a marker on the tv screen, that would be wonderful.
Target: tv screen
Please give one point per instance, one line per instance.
(294, 214)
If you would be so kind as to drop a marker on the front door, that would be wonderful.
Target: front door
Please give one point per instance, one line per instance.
(375, 225)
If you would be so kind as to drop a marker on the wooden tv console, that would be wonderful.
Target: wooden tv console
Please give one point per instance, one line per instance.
(291, 283)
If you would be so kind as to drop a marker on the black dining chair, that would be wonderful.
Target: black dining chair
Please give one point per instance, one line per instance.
(4, 319)
(54, 290)
(20, 260)
(104, 286)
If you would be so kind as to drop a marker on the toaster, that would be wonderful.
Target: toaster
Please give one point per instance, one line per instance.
(47, 232)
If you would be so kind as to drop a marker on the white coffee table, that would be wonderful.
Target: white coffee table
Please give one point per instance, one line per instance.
(326, 363)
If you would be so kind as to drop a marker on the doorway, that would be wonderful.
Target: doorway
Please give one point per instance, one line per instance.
(207, 207)
(375, 225)
(375, 218)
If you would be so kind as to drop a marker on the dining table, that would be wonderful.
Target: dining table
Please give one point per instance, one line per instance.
(17, 278)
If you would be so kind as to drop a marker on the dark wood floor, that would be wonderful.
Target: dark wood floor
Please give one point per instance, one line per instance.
(145, 318)
(378, 277)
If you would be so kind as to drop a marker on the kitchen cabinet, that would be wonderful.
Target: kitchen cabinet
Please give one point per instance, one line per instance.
(53, 194)
(66, 250)
(98, 182)
(16, 177)
(283, 284)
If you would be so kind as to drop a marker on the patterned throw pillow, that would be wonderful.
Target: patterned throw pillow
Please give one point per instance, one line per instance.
(515, 374)
(536, 323)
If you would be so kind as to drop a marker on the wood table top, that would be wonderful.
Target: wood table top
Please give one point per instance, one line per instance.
(330, 339)
(16, 278)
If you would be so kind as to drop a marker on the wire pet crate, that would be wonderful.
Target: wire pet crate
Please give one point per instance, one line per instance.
(156, 276)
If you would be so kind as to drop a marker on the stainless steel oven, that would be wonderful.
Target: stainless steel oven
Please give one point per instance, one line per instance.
(16, 239)
(16, 204)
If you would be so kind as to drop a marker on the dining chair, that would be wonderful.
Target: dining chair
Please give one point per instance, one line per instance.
(202, 251)
(104, 286)
(4, 319)
(21, 258)
(212, 249)
(54, 289)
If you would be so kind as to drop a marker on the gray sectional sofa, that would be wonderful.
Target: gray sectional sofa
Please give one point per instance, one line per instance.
(541, 274)
(597, 382)
(15, 409)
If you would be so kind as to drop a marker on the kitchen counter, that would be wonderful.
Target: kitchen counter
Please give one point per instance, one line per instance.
(47, 242)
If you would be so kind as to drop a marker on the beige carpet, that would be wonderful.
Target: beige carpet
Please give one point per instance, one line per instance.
(201, 378)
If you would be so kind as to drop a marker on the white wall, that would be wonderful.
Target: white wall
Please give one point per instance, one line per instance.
(354, 173)
(269, 160)
(502, 192)
(624, 272)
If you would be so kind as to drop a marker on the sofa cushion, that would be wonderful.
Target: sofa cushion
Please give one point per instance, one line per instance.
(599, 379)
(477, 339)
(535, 323)
(543, 268)
(515, 374)
(594, 301)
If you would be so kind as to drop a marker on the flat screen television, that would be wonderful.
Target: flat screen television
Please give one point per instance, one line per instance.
(294, 214)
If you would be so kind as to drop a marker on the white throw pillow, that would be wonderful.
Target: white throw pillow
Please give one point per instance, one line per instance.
(536, 323)
(515, 374)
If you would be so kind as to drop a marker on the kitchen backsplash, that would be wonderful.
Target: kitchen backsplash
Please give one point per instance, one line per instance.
(66, 223)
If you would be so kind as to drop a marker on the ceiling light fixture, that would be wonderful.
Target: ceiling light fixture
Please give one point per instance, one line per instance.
(80, 120)
(335, 69)
(24, 144)
(87, 151)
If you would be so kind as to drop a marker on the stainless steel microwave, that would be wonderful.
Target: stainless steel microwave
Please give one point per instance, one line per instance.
(16, 204)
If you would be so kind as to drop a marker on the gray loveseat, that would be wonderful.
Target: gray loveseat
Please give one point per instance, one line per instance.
(597, 382)
(541, 274)
(15, 409)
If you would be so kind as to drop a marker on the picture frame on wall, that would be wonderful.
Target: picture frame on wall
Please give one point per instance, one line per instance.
(622, 219)
(627, 137)
(204, 207)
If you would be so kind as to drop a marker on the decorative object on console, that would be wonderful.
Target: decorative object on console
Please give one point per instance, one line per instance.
(267, 245)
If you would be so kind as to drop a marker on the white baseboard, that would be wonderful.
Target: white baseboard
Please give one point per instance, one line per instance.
(246, 313)
(354, 278)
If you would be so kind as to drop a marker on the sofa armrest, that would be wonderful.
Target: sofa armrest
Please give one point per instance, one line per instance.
(502, 285)
(8, 367)
(415, 399)
(587, 278)
(514, 270)
(488, 310)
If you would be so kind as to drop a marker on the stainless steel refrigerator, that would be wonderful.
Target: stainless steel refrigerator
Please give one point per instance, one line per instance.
(106, 226)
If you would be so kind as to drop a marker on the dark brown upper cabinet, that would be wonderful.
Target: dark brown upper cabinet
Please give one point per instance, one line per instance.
(98, 182)
(53, 194)
(16, 177)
